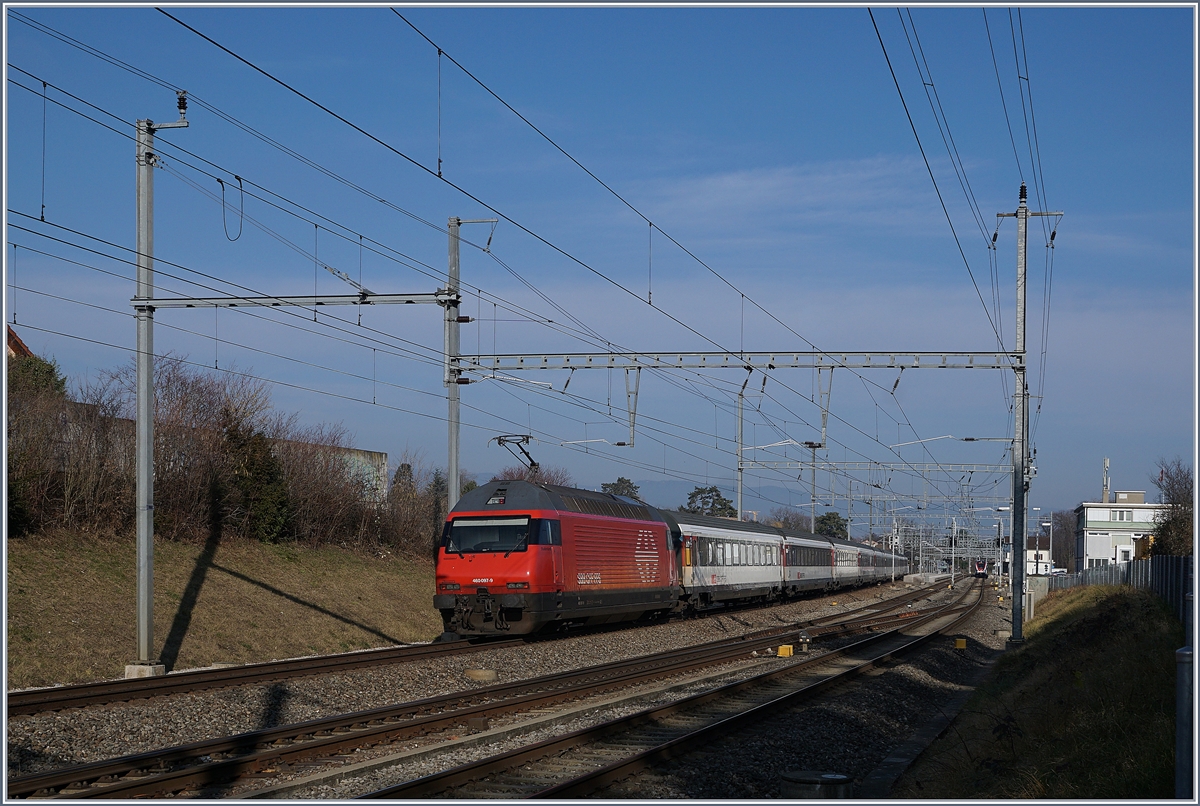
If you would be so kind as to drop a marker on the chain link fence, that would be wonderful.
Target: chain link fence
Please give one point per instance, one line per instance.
(1165, 576)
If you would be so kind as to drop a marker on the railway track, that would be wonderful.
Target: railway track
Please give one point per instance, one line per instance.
(583, 763)
(39, 700)
(57, 698)
(202, 765)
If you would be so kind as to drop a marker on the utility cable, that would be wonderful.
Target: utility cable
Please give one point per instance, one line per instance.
(469, 195)
(939, 116)
(928, 168)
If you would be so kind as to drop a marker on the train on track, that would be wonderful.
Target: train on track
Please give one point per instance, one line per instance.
(981, 571)
(517, 558)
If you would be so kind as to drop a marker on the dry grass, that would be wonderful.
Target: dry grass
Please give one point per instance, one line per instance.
(72, 604)
(1085, 709)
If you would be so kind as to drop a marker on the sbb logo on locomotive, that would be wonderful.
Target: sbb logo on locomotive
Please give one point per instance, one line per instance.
(588, 578)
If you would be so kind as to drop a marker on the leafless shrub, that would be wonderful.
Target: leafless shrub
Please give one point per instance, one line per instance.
(328, 500)
(34, 457)
(416, 505)
(97, 453)
(224, 461)
(194, 410)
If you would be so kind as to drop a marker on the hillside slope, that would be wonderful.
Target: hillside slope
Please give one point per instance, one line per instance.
(71, 607)
(1084, 709)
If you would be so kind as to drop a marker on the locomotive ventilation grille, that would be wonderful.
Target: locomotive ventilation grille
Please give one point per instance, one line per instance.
(612, 509)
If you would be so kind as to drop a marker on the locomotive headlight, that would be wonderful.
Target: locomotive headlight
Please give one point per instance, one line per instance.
(513, 585)
(450, 586)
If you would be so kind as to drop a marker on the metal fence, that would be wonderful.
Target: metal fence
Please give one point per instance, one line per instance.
(1166, 577)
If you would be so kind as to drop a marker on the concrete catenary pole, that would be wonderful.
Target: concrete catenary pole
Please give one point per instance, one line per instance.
(145, 391)
(1020, 454)
(953, 539)
(1020, 432)
(146, 159)
(741, 398)
(452, 370)
(453, 376)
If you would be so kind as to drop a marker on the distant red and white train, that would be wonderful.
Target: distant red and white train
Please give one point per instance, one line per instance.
(517, 557)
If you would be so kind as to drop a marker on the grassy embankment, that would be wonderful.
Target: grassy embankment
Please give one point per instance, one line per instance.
(1085, 709)
(71, 605)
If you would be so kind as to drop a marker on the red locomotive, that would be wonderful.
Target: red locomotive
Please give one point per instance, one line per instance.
(516, 557)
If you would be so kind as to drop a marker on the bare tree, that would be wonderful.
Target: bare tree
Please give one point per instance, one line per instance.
(1173, 523)
(788, 518)
(541, 474)
(1064, 539)
(225, 460)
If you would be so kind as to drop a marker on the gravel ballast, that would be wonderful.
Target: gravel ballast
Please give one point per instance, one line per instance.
(43, 742)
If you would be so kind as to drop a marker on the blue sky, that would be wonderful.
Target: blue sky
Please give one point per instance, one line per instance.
(771, 143)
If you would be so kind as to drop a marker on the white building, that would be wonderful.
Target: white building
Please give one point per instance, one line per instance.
(1037, 555)
(1114, 531)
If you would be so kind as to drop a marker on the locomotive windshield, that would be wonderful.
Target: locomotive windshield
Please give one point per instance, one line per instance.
(471, 535)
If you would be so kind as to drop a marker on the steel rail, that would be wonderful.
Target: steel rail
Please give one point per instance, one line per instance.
(56, 698)
(444, 782)
(178, 768)
(597, 779)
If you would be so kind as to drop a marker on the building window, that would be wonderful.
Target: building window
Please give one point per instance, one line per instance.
(1121, 515)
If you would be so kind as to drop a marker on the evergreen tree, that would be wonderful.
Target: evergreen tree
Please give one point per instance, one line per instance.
(31, 374)
(622, 486)
(831, 524)
(259, 482)
(709, 501)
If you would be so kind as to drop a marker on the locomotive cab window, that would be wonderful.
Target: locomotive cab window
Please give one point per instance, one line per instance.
(545, 532)
(477, 535)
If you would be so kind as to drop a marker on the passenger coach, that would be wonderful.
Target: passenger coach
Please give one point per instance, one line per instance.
(516, 557)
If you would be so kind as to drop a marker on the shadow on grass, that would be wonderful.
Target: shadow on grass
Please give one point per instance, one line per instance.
(191, 594)
(310, 605)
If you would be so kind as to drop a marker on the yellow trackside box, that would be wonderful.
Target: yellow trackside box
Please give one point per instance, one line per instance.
(785, 651)
(960, 643)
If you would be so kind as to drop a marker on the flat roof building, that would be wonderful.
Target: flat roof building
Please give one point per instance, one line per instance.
(1113, 531)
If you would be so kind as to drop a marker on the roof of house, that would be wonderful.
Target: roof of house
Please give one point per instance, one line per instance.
(15, 345)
